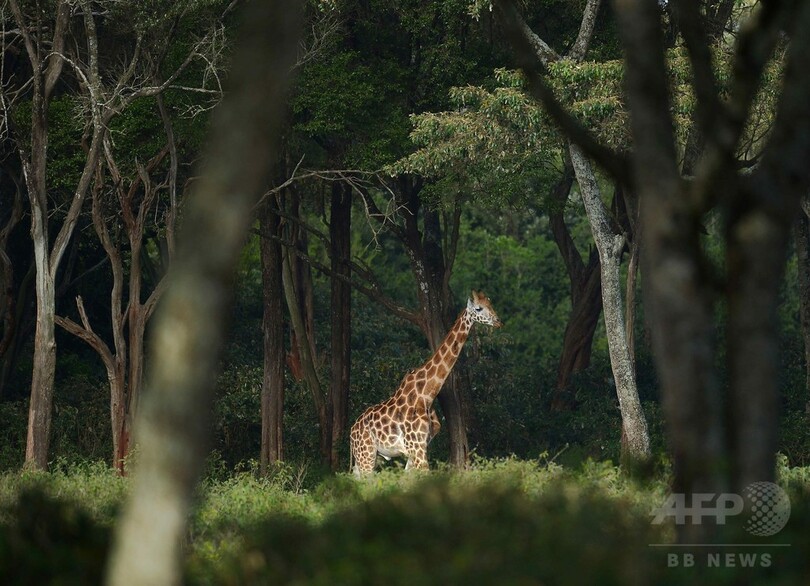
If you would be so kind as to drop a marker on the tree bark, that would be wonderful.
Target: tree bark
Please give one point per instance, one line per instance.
(173, 424)
(272, 399)
(341, 314)
(323, 406)
(756, 245)
(636, 439)
(48, 254)
(586, 297)
(432, 275)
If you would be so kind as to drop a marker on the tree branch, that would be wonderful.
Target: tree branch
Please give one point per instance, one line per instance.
(529, 61)
(580, 47)
(85, 332)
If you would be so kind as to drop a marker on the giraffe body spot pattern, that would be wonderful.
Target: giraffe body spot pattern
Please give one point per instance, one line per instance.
(404, 424)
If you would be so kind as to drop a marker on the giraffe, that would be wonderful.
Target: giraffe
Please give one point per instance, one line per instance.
(405, 424)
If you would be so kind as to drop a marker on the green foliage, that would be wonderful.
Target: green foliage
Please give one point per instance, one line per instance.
(51, 542)
(503, 521)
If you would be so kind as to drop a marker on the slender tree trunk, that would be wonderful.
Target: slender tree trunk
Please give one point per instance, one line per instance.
(340, 238)
(586, 296)
(610, 245)
(323, 406)
(118, 415)
(586, 305)
(272, 399)
(803, 262)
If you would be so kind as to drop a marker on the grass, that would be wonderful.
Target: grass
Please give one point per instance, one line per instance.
(505, 521)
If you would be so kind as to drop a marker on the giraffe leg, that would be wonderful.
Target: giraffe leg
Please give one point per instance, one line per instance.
(364, 453)
(417, 458)
(434, 426)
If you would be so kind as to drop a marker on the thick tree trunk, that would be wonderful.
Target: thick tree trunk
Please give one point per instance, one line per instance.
(755, 251)
(44, 367)
(340, 239)
(803, 262)
(439, 316)
(678, 289)
(636, 439)
(272, 399)
(173, 425)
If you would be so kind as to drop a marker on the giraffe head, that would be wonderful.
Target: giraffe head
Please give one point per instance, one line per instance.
(481, 310)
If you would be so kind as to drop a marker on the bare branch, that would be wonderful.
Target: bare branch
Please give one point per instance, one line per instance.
(86, 333)
(580, 47)
(54, 68)
(517, 27)
(372, 290)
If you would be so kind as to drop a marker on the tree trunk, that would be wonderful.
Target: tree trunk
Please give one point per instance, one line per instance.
(586, 297)
(44, 367)
(323, 406)
(173, 425)
(433, 282)
(272, 399)
(340, 239)
(610, 245)
(755, 251)
(586, 305)
(803, 262)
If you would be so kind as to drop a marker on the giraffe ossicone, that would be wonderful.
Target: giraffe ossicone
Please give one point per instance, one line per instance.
(405, 424)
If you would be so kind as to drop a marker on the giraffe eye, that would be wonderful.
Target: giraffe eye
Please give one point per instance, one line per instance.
(479, 308)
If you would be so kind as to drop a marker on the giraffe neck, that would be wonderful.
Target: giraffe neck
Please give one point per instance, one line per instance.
(427, 380)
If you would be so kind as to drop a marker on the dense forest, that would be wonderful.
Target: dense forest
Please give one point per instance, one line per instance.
(625, 182)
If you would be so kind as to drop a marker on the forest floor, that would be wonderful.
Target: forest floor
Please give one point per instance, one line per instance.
(502, 522)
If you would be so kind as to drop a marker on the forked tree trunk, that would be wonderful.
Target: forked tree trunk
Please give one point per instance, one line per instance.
(586, 297)
(635, 436)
